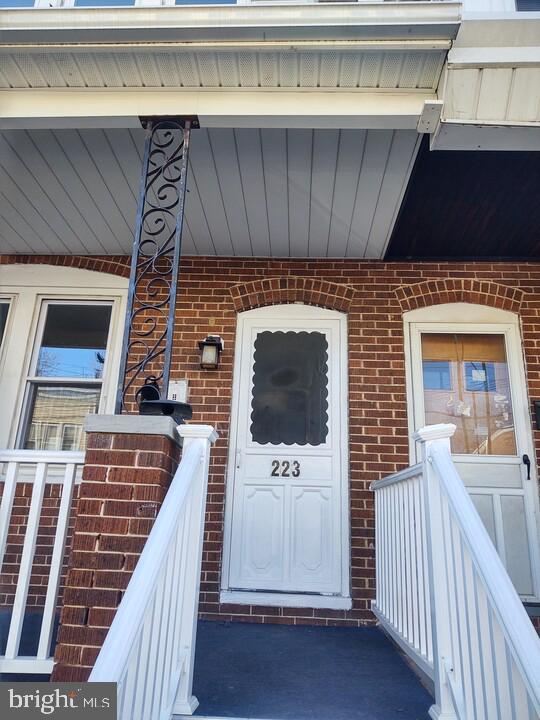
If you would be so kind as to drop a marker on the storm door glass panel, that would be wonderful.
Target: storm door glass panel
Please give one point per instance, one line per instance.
(290, 388)
(66, 383)
(466, 382)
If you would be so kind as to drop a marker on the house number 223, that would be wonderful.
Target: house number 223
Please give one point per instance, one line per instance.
(285, 468)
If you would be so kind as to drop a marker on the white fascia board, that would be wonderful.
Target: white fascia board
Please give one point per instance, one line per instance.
(335, 21)
(460, 57)
(469, 136)
(32, 109)
(489, 30)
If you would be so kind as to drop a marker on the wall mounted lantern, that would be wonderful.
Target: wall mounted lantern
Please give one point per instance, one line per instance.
(210, 350)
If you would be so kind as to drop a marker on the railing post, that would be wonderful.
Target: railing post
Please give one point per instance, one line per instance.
(186, 703)
(438, 580)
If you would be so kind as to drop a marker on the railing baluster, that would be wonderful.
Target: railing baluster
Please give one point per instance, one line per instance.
(55, 569)
(473, 650)
(171, 599)
(8, 495)
(378, 544)
(482, 632)
(143, 670)
(408, 560)
(27, 557)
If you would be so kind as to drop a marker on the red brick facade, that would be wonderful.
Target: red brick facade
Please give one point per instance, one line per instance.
(374, 295)
(125, 479)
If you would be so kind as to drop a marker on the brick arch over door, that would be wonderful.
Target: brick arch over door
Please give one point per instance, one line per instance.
(111, 264)
(290, 289)
(453, 290)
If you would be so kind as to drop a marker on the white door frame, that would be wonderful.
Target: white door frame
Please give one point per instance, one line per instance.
(470, 318)
(299, 312)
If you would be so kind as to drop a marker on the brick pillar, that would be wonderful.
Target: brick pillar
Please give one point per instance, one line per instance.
(130, 461)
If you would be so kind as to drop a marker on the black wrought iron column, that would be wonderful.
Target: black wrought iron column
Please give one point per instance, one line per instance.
(155, 263)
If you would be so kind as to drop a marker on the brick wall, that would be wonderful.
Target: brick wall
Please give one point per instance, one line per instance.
(376, 294)
(125, 479)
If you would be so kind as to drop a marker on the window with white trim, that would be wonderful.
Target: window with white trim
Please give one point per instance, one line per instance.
(66, 373)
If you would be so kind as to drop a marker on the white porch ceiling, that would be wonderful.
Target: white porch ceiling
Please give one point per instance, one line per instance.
(272, 192)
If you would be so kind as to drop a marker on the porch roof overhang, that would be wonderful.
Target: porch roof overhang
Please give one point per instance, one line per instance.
(233, 66)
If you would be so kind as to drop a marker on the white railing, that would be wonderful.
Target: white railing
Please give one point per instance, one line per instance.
(150, 647)
(37, 468)
(485, 657)
(402, 565)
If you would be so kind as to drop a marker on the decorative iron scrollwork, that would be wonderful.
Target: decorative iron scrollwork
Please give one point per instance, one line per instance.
(148, 333)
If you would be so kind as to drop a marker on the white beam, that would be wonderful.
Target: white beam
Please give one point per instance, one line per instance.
(32, 109)
(473, 136)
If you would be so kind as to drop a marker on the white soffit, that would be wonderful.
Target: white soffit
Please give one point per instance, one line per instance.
(371, 68)
(273, 192)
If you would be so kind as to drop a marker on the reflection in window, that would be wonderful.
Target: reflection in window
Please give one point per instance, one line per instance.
(436, 375)
(16, 3)
(290, 388)
(74, 341)
(57, 416)
(466, 382)
(102, 3)
(65, 386)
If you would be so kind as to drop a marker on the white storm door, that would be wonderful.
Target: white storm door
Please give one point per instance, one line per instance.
(287, 510)
(472, 376)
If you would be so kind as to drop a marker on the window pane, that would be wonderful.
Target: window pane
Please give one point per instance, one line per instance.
(466, 382)
(4, 309)
(102, 3)
(16, 3)
(205, 2)
(528, 5)
(74, 341)
(57, 415)
(290, 380)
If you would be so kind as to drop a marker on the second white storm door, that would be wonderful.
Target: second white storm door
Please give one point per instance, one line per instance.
(472, 376)
(286, 529)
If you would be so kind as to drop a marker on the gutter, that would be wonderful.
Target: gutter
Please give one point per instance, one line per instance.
(218, 23)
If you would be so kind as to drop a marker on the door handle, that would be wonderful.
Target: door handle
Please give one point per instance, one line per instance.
(527, 463)
(238, 458)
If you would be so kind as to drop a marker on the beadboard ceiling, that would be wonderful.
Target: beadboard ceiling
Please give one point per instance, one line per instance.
(272, 192)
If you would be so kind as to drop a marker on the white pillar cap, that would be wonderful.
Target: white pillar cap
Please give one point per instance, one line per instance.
(435, 432)
(206, 432)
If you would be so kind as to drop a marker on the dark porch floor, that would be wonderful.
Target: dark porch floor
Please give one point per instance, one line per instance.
(281, 672)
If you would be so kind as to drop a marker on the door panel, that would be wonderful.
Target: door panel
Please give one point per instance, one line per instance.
(260, 549)
(287, 526)
(311, 533)
(501, 474)
(516, 542)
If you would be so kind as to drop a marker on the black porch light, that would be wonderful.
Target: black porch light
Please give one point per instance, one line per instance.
(210, 350)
